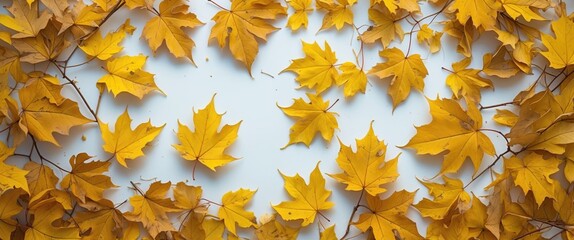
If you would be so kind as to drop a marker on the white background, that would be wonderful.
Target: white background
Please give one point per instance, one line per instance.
(265, 128)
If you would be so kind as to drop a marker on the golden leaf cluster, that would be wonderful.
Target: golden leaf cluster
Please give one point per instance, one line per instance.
(530, 195)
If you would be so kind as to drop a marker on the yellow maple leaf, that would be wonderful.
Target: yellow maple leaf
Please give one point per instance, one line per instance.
(125, 74)
(103, 48)
(41, 118)
(406, 72)
(385, 28)
(151, 208)
(11, 176)
(524, 8)
(103, 221)
(45, 85)
(45, 46)
(10, 208)
(86, 179)
(207, 145)
(389, 215)
(482, 12)
(242, 24)
(40, 178)
(299, 17)
(338, 14)
(464, 33)
(558, 54)
(28, 20)
(532, 173)
(42, 228)
(308, 199)
(317, 69)
(447, 197)
(328, 234)
(505, 117)
(166, 26)
(465, 82)
(454, 130)
(126, 143)
(366, 169)
(430, 37)
(311, 118)
(354, 79)
(232, 210)
(270, 228)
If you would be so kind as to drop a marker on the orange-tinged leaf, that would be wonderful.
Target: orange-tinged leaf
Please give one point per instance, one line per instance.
(447, 197)
(152, 207)
(46, 46)
(299, 17)
(10, 208)
(167, 27)
(207, 145)
(242, 24)
(558, 54)
(308, 199)
(45, 85)
(354, 79)
(41, 118)
(405, 72)
(126, 143)
(389, 215)
(40, 178)
(317, 69)
(126, 74)
(43, 229)
(366, 169)
(103, 221)
(86, 179)
(455, 131)
(532, 173)
(187, 197)
(466, 82)
(311, 118)
(27, 20)
(482, 12)
(385, 27)
(232, 210)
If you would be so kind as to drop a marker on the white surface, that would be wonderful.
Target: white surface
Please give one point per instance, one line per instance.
(265, 128)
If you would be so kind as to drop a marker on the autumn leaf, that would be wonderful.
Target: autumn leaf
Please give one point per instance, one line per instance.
(45, 85)
(126, 143)
(532, 173)
(46, 46)
(430, 37)
(385, 28)
(41, 118)
(86, 179)
(366, 169)
(232, 210)
(102, 220)
(505, 117)
(308, 199)
(43, 228)
(328, 234)
(528, 9)
(28, 20)
(11, 176)
(354, 79)
(389, 215)
(317, 69)
(40, 178)
(311, 118)
(299, 17)
(126, 74)
(207, 145)
(466, 82)
(270, 228)
(104, 48)
(151, 208)
(482, 12)
(8, 211)
(338, 13)
(406, 72)
(447, 197)
(167, 27)
(558, 54)
(246, 21)
(454, 131)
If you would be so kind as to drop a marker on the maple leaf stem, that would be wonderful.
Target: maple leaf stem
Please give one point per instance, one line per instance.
(417, 22)
(71, 82)
(211, 202)
(219, 6)
(137, 188)
(193, 171)
(532, 232)
(336, 101)
(120, 204)
(563, 80)
(497, 105)
(323, 216)
(448, 70)
(508, 150)
(184, 219)
(347, 230)
(498, 132)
